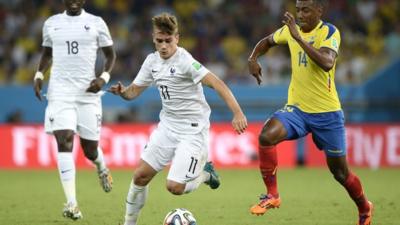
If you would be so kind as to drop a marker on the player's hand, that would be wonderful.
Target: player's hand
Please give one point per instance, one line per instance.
(239, 122)
(255, 70)
(95, 85)
(117, 89)
(290, 21)
(37, 87)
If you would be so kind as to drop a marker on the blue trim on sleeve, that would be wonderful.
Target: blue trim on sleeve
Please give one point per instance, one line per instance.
(331, 31)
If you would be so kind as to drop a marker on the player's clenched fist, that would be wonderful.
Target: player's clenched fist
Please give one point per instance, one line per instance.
(95, 85)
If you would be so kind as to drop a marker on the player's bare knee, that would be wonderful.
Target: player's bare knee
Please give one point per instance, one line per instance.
(65, 143)
(266, 138)
(176, 188)
(141, 179)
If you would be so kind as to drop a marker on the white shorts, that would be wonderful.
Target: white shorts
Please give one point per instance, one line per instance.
(82, 117)
(187, 153)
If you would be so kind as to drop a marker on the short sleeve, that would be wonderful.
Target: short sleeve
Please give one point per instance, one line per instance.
(331, 38)
(196, 70)
(47, 42)
(280, 36)
(104, 38)
(144, 77)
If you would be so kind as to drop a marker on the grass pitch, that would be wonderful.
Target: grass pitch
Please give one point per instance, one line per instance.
(309, 197)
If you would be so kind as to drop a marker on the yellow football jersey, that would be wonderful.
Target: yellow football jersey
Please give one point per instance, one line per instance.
(311, 88)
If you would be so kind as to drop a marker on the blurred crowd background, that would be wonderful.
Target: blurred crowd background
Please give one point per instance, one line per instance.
(219, 33)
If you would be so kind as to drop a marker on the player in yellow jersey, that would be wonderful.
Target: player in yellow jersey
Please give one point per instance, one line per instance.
(313, 105)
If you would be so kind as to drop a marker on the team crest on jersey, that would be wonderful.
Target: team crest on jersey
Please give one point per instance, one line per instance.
(87, 28)
(172, 70)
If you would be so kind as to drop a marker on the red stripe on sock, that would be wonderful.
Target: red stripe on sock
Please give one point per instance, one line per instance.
(355, 190)
(268, 168)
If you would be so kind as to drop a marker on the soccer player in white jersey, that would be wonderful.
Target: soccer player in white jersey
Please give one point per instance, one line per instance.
(70, 43)
(181, 137)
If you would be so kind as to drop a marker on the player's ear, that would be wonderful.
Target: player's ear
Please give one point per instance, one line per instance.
(177, 38)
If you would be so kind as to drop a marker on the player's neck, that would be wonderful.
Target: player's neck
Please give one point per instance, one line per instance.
(77, 13)
(311, 27)
(172, 54)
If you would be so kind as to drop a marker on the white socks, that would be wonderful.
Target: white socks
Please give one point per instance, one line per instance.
(99, 161)
(194, 184)
(135, 200)
(66, 169)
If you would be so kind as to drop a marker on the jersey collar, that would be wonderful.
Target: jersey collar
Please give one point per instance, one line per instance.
(315, 28)
(82, 13)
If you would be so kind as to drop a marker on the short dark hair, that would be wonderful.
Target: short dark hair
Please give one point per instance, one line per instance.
(166, 23)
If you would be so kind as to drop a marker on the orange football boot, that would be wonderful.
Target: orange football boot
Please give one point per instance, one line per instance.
(366, 218)
(266, 202)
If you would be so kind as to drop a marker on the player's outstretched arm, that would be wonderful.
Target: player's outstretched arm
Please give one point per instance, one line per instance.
(127, 93)
(239, 121)
(44, 64)
(260, 49)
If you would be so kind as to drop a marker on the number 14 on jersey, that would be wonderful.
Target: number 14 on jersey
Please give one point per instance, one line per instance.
(303, 59)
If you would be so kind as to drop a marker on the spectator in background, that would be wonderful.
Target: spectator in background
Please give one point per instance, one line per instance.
(15, 117)
(392, 42)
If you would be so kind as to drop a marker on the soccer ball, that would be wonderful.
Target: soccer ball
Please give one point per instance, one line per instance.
(179, 216)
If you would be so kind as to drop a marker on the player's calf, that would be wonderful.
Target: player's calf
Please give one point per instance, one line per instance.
(175, 188)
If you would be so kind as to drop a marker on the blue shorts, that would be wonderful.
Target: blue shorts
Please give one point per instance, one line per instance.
(327, 129)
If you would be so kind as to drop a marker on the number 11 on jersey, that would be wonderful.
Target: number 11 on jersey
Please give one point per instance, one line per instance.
(164, 92)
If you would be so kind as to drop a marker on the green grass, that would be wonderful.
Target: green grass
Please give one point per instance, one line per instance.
(309, 196)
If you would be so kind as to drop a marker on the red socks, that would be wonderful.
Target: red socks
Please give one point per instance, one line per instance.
(355, 190)
(268, 168)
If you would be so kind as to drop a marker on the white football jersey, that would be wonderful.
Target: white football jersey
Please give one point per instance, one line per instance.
(74, 41)
(184, 107)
